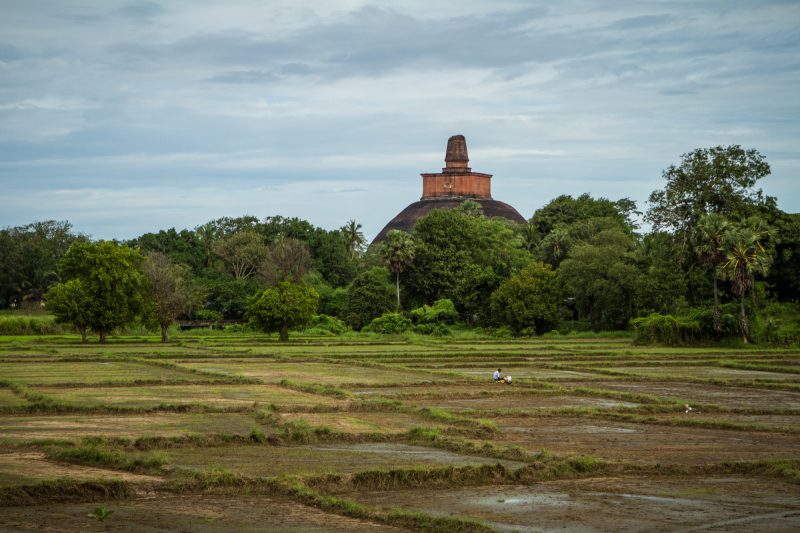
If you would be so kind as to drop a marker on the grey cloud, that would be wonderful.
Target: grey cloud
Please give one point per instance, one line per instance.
(245, 76)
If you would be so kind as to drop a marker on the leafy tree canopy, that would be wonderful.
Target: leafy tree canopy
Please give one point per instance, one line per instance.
(285, 306)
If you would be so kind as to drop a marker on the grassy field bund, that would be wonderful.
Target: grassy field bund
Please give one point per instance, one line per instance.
(235, 432)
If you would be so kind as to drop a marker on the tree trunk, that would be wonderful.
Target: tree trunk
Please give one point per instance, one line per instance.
(103, 334)
(284, 333)
(397, 283)
(165, 333)
(717, 311)
(743, 321)
(82, 330)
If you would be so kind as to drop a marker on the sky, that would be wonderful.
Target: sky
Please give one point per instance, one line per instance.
(132, 117)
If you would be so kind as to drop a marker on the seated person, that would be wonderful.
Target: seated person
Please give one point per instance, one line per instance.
(496, 376)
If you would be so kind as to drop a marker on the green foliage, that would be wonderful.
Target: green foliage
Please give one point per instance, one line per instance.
(389, 324)
(708, 180)
(695, 327)
(602, 277)
(283, 307)
(442, 311)
(100, 513)
(30, 325)
(226, 295)
(565, 210)
(398, 251)
(779, 323)
(29, 257)
(111, 285)
(527, 302)
(170, 292)
(326, 325)
(369, 296)
(455, 244)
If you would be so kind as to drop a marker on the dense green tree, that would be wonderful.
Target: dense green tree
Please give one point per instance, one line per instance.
(29, 257)
(170, 290)
(71, 303)
(448, 243)
(663, 285)
(602, 276)
(398, 252)
(330, 257)
(565, 210)
(112, 275)
(242, 252)
(225, 294)
(285, 306)
(369, 296)
(528, 301)
(182, 247)
(708, 180)
(206, 237)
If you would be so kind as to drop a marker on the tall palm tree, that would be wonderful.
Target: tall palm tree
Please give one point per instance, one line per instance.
(710, 237)
(745, 256)
(353, 238)
(398, 252)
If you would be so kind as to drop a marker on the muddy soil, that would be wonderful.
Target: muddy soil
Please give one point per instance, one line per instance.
(269, 461)
(195, 513)
(528, 372)
(706, 372)
(703, 393)
(28, 427)
(647, 443)
(612, 504)
(508, 401)
(25, 468)
(387, 423)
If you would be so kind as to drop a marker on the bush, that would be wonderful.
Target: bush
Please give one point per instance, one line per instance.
(442, 311)
(30, 325)
(694, 327)
(779, 324)
(437, 330)
(326, 325)
(389, 324)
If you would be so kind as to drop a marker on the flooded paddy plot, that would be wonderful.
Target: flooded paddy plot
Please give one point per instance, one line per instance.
(326, 373)
(26, 468)
(528, 401)
(199, 514)
(645, 443)
(26, 427)
(90, 372)
(611, 504)
(145, 396)
(732, 397)
(523, 373)
(270, 461)
(704, 372)
(387, 423)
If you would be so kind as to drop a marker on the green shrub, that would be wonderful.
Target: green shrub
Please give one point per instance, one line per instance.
(779, 323)
(389, 324)
(696, 326)
(441, 312)
(31, 325)
(326, 325)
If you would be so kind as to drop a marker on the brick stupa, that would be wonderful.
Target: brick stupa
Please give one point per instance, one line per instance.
(449, 188)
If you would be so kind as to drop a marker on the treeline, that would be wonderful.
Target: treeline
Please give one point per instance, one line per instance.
(720, 261)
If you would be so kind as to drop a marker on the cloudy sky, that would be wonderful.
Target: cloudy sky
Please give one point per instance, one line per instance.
(129, 117)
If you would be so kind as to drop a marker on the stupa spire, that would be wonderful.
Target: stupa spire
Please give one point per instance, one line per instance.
(456, 158)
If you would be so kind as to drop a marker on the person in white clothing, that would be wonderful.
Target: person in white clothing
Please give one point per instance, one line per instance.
(497, 377)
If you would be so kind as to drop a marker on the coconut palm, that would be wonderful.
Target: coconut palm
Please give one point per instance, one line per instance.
(710, 237)
(353, 238)
(398, 252)
(745, 256)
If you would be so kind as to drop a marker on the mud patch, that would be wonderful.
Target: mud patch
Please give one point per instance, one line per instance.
(509, 401)
(17, 428)
(272, 461)
(212, 395)
(703, 393)
(642, 442)
(611, 504)
(25, 468)
(199, 514)
(389, 423)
